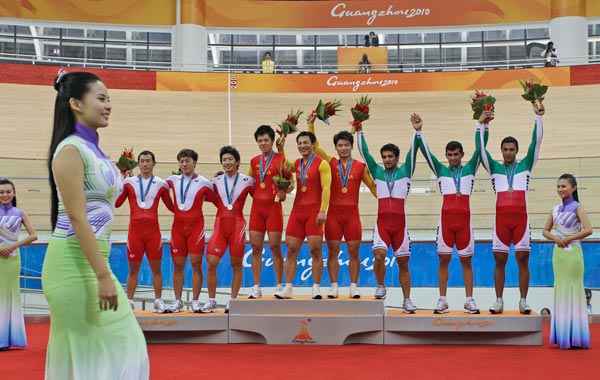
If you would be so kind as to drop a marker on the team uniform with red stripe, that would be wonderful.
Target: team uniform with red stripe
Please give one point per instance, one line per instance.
(308, 203)
(230, 225)
(392, 190)
(456, 186)
(187, 233)
(266, 214)
(510, 183)
(143, 234)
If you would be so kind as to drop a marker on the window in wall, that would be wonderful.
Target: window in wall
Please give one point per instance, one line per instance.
(159, 37)
(7, 47)
(516, 34)
(308, 39)
(450, 55)
(116, 55)
(285, 40)
(95, 34)
(7, 30)
(118, 35)
(245, 56)
(474, 54)
(73, 33)
(432, 54)
(286, 57)
(451, 37)
(474, 36)
(328, 39)
(494, 53)
(265, 39)
(354, 40)
(393, 57)
(223, 39)
(538, 33)
(164, 56)
(327, 57)
(390, 39)
(25, 47)
(138, 36)
(73, 50)
(410, 55)
(96, 51)
(226, 56)
(23, 30)
(431, 38)
(517, 52)
(494, 35)
(309, 57)
(245, 39)
(409, 38)
(48, 32)
(140, 56)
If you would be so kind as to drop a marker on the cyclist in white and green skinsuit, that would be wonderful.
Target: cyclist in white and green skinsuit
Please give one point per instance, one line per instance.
(455, 228)
(510, 180)
(392, 184)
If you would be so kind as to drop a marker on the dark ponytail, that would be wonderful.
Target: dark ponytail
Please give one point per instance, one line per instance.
(6, 181)
(68, 85)
(573, 182)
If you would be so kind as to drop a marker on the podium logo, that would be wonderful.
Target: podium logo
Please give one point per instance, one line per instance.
(303, 336)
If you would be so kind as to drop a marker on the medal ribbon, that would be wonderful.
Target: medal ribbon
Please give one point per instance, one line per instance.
(456, 177)
(304, 169)
(510, 176)
(187, 188)
(230, 193)
(142, 192)
(390, 180)
(344, 176)
(262, 171)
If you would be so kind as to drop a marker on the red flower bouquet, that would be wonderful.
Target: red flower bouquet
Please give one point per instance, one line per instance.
(127, 161)
(289, 125)
(480, 102)
(283, 180)
(360, 112)
(534, 92)
(325, 110)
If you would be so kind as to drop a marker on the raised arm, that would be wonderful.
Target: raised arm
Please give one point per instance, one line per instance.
(411, 156)
(310, 120)
(374, 169)
(482, 125)
(536, 140)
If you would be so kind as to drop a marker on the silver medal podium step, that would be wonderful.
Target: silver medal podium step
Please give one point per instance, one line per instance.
(302, 320)
(457, 327)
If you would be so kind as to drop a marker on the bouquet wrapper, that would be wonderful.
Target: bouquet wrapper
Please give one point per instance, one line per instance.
(282, 184)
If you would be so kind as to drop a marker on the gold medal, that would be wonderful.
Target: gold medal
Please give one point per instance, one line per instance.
(458, 194)
(510, 190)
(263, 185)
(303, 189)
(344, 190)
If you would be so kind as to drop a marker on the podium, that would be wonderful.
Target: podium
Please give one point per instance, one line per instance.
(303, 320)
(184, 327)
(457, 327)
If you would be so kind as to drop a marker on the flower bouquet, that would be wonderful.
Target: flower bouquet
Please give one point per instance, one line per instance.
(127, 161)
(325, 110)
(534, 92)
(360, 113)
(480, 102)
(283, 181)
(289, 125)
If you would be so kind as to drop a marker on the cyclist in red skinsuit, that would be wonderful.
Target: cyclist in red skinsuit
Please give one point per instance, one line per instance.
(144, 192)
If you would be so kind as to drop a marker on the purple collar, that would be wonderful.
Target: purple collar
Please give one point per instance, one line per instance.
(91, 137)
(568, 205)
(6, 208)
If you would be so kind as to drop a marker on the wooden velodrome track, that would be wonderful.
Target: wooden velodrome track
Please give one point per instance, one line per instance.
(165, 122)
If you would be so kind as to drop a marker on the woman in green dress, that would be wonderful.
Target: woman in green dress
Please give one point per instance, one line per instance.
(90, 336)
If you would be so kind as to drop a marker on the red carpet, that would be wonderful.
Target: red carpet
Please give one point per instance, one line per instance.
(247, 362)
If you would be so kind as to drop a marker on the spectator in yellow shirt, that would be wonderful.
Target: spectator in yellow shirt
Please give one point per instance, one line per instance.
(268, 66)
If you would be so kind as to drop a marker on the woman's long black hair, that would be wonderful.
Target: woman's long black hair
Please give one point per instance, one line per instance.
(68, 85)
